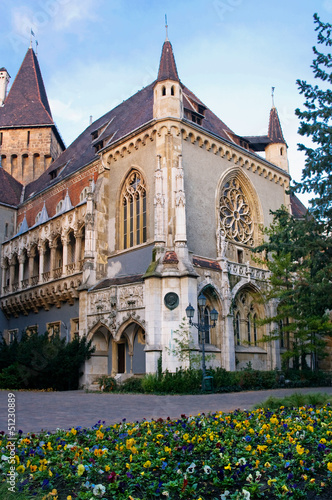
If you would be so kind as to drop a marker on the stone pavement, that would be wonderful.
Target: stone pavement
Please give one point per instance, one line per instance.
(50, 410)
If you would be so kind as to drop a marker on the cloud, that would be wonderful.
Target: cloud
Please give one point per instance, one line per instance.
(58, 15)
(60, 109)
(327, 5)
(74, 11)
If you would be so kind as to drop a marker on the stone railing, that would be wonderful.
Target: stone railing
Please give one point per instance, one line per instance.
(25, 283)
(246, 271)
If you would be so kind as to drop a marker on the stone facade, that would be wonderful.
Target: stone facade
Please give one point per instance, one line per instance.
(156, 202)
(37, 147)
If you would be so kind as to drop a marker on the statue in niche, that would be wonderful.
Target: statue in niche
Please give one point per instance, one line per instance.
(222, 243)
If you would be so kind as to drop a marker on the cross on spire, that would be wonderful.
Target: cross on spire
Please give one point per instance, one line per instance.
(272, 94)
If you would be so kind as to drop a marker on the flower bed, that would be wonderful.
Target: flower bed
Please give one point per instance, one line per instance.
(240, 455)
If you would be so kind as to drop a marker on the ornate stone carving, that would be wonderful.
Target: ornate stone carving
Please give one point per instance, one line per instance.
(235, 215)
(131, 296)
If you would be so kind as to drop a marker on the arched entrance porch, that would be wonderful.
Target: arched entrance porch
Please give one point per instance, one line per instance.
(128, 355)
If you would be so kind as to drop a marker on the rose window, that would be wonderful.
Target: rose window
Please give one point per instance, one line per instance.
(235, 214)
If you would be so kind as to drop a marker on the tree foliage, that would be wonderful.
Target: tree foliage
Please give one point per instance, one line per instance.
(43, 362)
(316, 124)
(298, 254)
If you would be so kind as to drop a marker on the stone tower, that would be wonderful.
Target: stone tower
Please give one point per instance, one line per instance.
(167, 90)
(276, 150)
(29, 139)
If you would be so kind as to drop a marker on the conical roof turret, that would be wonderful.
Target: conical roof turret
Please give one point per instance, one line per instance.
(167, 66)
(275, 131)
(27, 103)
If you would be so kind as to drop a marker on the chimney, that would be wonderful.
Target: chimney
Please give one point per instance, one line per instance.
(4, 80)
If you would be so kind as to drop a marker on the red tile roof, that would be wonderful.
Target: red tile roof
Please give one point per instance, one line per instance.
(123, 120)
(167, 66)
(27, 103)
(206, 263)
(10, 189)
(298, 209)
(275, 132)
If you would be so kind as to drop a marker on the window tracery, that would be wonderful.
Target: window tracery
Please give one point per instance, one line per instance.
(235, 214)
(133, 200)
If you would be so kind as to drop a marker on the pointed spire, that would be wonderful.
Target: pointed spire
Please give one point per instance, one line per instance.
(67, 205)
(24, 226)
(167, 66)
(43, 215)
(275, 131)
(27, 103)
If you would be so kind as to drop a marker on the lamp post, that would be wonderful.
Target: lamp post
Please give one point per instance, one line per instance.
(202, 327)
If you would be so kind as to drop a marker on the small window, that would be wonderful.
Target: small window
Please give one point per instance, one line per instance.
(28, 138)
(37, 217)
(74, 328)
(30, 330)
(54, 329)
(172, 90)
(12, 334)
(59, 207)
(84, 194)
(1, 138)
(281, 151)
(163, 91)
(6, 230)
(240, 256)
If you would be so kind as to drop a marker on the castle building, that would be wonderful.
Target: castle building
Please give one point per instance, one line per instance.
(155, 202)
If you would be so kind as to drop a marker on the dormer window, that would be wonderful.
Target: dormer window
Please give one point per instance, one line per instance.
(53, 174)
(84, 194)
(196, 119)
(59, 207)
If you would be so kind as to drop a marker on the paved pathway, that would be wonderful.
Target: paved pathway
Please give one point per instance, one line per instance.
(49, 410)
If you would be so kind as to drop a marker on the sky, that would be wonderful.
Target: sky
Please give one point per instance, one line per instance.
(94, 54)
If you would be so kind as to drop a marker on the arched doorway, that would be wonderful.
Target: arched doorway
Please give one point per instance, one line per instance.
(98, 364)
(128, 354)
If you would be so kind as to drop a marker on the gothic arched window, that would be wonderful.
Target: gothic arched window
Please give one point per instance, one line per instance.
(133, 211)
(237, 328)
(235, 214)
(249, 328)
(207, 324)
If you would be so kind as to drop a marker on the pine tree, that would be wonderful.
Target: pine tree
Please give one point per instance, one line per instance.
(298, 254)
(316, 124)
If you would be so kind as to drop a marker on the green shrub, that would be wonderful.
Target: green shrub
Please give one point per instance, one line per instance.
(44, 362)
(107, 383)
(132, 384)
(295, 400)
(10, 378)
(150, 383)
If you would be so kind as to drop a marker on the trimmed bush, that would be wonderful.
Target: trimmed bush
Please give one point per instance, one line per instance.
(43, 362)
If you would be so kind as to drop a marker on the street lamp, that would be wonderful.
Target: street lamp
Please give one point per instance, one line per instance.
(202, 327)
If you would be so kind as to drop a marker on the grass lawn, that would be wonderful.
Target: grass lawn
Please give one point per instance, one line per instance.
(276, 450)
